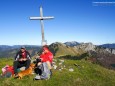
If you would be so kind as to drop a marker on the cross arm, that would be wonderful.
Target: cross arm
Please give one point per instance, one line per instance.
(41, 18)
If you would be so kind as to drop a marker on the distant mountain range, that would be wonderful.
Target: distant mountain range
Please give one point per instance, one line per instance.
(73, 48)
(96, 54)
(108, 45)
(104, 54)
(8, 47)
(10, 51)
(72, 43)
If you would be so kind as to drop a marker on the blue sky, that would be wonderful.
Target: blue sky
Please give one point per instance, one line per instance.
(75, 20)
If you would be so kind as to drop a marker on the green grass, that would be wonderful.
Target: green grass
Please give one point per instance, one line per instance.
(87, 74)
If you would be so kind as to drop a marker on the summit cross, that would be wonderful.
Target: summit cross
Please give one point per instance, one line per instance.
(41, 18)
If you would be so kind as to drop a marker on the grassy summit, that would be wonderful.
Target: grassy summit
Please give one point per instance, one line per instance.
(84, 74)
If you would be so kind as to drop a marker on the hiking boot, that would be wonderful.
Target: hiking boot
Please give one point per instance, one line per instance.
(37, 77)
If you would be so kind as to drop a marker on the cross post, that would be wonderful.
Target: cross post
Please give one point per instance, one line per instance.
(41, 18)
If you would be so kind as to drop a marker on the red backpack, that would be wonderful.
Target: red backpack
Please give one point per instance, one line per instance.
(7, 69)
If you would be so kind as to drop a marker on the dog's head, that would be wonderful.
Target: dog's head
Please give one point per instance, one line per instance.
(32, 65)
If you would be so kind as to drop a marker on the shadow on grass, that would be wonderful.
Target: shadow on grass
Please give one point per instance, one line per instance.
(69, 57)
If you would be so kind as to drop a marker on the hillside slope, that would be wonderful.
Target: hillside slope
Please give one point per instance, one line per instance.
(60, 49)
(100, 55)
(84, 74)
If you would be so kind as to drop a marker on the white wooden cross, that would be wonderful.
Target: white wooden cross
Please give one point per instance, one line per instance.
(41, 18)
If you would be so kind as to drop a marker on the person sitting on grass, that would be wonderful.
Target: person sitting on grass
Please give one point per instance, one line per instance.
(44, 62)
(22, 59)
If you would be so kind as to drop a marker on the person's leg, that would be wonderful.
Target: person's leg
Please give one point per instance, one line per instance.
(38, 71)
(27, 64)
(37, 62)
(51, 69)
(50, 72)
(16, 64)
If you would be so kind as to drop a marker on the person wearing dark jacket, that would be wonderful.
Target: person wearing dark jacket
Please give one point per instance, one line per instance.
(22, 58)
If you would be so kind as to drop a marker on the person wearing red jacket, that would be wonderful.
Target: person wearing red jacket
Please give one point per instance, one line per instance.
(46, 55)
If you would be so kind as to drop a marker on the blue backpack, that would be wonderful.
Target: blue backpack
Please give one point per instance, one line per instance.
(45, 72)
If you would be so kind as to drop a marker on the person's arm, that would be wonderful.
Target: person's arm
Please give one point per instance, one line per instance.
(28, 55)
(17, 57)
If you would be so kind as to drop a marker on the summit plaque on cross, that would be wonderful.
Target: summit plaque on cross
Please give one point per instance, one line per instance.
(41, 18)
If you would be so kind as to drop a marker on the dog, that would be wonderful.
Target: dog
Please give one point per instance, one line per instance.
(27, 71)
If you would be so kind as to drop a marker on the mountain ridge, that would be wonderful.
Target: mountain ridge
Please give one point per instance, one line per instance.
(88, 51)
(108, 45)
(10, 51)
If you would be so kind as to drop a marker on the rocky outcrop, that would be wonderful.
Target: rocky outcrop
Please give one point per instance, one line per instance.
(72, 43)
(86, 47)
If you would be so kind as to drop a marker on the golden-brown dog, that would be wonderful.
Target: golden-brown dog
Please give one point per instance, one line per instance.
(26, 72)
